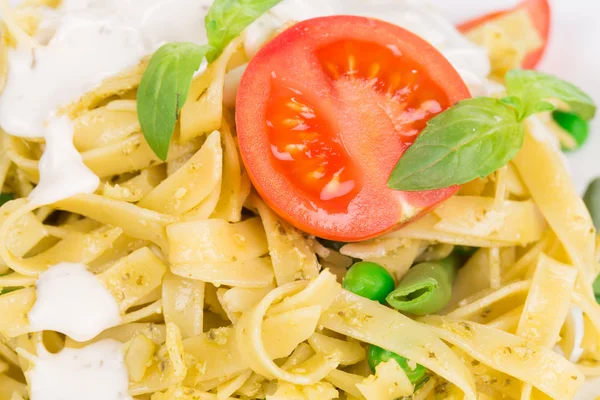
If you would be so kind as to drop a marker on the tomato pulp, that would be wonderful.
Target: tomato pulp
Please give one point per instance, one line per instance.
(325, 111)
(539, 12)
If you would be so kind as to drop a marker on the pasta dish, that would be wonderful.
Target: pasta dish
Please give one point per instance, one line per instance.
(289, 200)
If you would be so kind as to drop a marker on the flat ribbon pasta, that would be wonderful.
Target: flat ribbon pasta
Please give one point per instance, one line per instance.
(515, 356)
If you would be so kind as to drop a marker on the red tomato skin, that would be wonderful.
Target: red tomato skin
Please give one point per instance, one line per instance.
(376, 209)
(541, 14)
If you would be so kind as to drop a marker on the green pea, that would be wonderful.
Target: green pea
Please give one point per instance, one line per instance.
(370, 280)
(376, 355)
(578, 128)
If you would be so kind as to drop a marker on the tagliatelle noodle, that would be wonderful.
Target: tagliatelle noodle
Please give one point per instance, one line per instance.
(219, 297)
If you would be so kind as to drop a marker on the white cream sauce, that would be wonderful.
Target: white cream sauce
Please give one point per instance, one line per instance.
(79, 45)
(95, 372)
(72, 300)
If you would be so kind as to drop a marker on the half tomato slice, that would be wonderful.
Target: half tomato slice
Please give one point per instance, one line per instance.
(325, 111)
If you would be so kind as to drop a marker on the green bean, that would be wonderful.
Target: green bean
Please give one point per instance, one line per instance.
(591, 199)
(426, 288)
(575, 126)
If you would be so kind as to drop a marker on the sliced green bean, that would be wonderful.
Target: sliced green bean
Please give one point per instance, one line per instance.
(426, 288)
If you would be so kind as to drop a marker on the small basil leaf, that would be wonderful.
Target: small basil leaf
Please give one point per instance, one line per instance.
(512, 101)
(534, 87)
(469, 140)
(227, 19)
(5, 198)
(163, 91)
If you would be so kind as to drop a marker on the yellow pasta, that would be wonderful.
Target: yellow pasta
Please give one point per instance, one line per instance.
(205, 241)
(507, 353)
(191, 183)
(563, 209)
(290, 252)
(388, 383)
(183, 304)
(217, 296)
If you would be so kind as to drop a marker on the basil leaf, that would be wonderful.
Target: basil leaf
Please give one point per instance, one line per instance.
(534, 88)
(5, 198)
(226, 19)
(471, 139)
(163, 91)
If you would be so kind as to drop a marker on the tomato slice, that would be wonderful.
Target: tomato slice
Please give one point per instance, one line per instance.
(539, 12)
(325, 111)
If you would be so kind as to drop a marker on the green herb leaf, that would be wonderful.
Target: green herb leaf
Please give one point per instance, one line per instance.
(163, 91)
(534, 88)
(5, 198)
(226, 19)
(471, 139)
(512, 101)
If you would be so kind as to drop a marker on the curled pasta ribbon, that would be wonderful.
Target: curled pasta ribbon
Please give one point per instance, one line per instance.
(249, 336)
(541, 168)
(78, 247)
